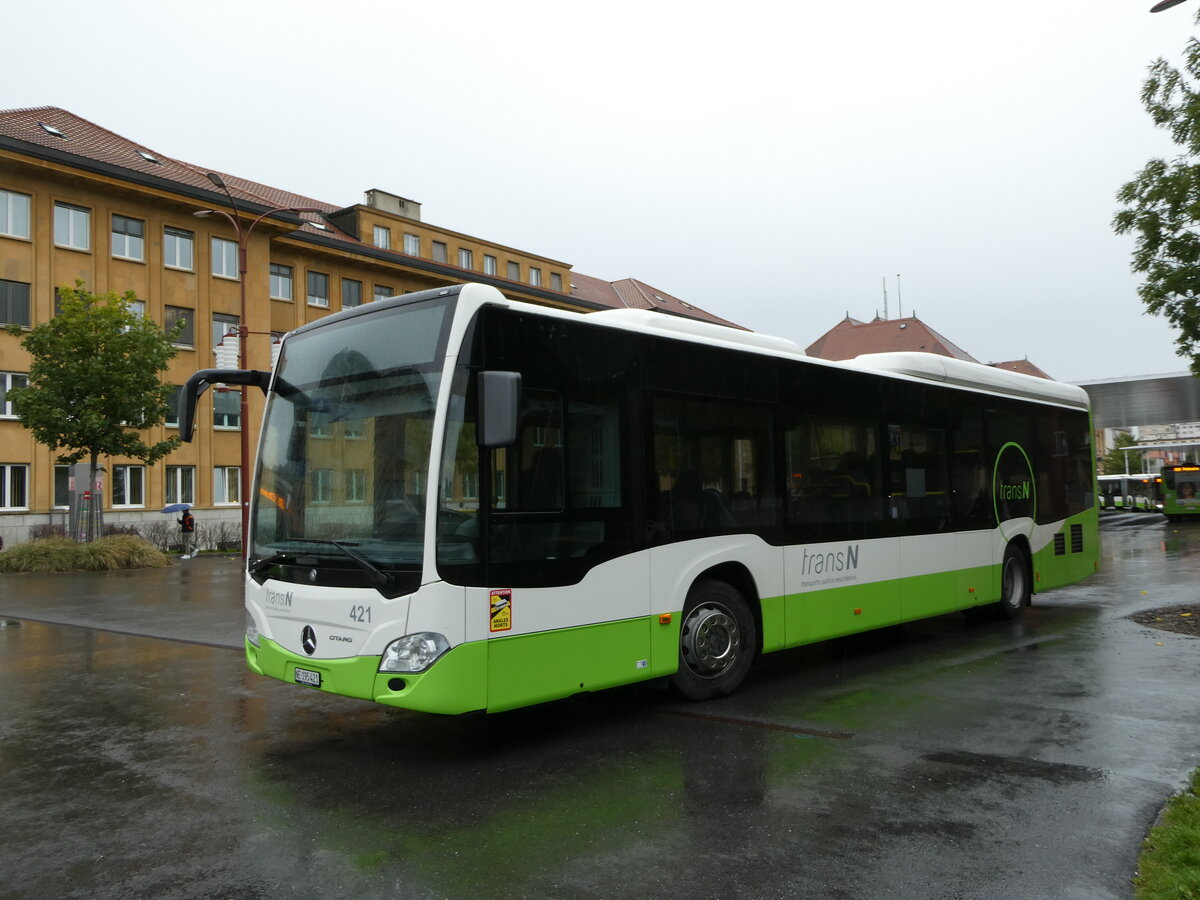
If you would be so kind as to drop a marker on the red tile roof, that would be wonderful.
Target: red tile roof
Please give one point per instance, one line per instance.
(851, 338)
(1024, 366)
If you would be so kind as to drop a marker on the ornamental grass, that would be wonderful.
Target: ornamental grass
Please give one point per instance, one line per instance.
(60, 554)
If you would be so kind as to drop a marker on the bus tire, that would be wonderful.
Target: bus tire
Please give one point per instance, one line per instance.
(717, 641)
(1015, 584)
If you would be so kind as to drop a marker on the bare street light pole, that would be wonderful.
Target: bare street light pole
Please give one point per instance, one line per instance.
(243, 237)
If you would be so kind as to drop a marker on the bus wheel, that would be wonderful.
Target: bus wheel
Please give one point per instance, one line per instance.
(717, 640)
(1014, 583)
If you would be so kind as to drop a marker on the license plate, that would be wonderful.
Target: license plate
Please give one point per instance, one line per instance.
(309, 677)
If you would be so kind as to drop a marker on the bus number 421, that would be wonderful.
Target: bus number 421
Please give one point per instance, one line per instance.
(361, 614)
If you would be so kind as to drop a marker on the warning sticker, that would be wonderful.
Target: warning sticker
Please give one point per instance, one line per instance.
(501, 612)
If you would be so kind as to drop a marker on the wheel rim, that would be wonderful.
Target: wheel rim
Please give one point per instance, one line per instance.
(710, 640)
(1014, 582)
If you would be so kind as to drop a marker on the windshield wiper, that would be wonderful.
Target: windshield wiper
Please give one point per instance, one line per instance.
(380, 578)
(266, 562)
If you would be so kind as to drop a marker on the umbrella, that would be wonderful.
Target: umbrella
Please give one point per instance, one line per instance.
(176, 507)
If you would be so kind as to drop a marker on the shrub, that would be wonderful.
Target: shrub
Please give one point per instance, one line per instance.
(162, 534)
(114, 529)
(58, 554)
(220, 534)
(41, 532)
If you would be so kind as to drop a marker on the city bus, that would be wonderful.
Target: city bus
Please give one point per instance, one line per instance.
(1180, 485)
(464, 503)
(1130, 492)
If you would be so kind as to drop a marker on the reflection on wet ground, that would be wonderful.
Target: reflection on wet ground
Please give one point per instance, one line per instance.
(939, 758)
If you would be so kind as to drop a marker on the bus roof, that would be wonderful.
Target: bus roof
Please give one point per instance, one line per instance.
(924, 366)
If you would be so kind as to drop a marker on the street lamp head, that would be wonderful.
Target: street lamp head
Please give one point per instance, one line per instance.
(1164, 4)
(203, 213)
(219, 182)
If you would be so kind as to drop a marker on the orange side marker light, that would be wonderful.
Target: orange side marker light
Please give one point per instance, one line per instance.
(664, 619)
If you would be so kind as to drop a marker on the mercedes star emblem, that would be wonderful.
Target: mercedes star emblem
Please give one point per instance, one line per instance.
(308, 640)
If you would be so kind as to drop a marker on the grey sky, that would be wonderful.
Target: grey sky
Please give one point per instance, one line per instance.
(769, 162)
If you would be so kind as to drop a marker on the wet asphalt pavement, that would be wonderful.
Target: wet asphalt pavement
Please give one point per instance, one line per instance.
(139, 758)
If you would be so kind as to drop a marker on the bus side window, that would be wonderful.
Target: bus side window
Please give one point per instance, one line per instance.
(712, 465)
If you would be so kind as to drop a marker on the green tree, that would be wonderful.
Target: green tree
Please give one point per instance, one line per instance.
(1114, 459)
(1162, 203)
(94, 379)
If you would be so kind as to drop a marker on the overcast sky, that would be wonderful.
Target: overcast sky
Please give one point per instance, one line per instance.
(772, 163)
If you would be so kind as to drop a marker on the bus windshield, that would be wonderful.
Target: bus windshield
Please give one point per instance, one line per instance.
(346, 448)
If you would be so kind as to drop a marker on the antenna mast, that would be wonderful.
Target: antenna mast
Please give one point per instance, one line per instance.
(885, 298)
(899, 302)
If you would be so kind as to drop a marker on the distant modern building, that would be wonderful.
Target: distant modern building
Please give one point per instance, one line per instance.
(78, 202)
(1162, 411)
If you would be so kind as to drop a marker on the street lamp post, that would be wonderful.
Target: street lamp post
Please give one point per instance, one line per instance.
(243, 236)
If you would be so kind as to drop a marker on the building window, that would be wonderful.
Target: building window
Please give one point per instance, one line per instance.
(226, 485)
(72, 226)
(178, 248)
(14, 303)
(128, 486)
(356, 485)
(62, 486)
(128, 238)
(181, 484)
(439, 252)
(14, 214)
(172, 315)
(556, 281)
(322, 486)
(466, 259)
(318, 289)
(382, 291)
(535, 276)
(281, 282)
(14, 486)
(8, 381)
(224, 258)
(383, 237)
(351, 292)
(489, 265)
(222, 325)
(412, 244)
(172, 418)
(514, 271)
(227, 408)
(137, 307)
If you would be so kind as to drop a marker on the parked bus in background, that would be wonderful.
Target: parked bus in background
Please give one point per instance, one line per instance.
(1130, 492)
(1180, 486)
(465, 503)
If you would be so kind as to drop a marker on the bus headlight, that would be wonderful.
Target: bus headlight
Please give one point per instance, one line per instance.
(251, 629)
(413, 653)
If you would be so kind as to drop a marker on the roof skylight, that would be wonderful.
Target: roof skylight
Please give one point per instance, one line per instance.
(149, 157)
(50, 129)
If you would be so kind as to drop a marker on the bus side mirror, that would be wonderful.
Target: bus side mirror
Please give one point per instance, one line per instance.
(499, 408)
(189, 397)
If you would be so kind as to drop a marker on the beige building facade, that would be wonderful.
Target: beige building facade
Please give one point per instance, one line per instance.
(79, 203)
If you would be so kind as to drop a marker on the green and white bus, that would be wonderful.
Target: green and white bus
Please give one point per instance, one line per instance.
(1130, 492)
(468, 503)
(1181, 492)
